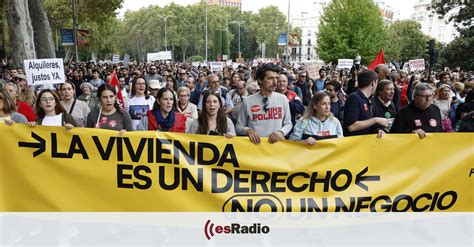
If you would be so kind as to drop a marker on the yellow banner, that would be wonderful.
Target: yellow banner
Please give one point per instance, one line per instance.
(50, 169)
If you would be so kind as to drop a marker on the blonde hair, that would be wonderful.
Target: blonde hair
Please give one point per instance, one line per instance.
(310, 111)
(183, 89)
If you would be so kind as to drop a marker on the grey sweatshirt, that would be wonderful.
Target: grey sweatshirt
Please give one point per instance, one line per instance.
(253, 115)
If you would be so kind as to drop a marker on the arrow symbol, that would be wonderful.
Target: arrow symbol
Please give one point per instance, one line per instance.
(41, 146)
(360, 178)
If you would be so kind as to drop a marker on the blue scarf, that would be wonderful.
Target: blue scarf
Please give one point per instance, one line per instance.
(165, 124)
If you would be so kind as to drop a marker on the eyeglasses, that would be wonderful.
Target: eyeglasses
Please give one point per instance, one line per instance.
(140, 83)
(265, 104)
(182, 73)
(303, 76)
(428, 96)
(47, 99)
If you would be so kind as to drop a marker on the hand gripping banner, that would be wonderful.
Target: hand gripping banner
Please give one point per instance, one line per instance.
(49, 169)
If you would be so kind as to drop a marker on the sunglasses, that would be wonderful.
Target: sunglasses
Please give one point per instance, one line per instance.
(265, 104)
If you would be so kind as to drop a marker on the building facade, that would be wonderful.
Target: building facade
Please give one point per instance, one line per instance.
(440, 29)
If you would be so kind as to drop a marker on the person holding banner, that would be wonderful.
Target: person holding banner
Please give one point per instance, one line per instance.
(77, 108)
(163, 117)
(213, 120)
(318, 123)
(22, 107)
(420, 116)
(8, 114)
(267, 113)
(140, 102)
(110, 115)
(50, 111)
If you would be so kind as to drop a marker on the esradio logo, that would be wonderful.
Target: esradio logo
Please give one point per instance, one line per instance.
(234, 228)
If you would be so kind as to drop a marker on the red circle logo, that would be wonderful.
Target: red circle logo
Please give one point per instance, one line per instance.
(255, 108)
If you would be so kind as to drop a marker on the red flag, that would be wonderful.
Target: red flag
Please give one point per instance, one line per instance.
(115, 83)
(378, 60)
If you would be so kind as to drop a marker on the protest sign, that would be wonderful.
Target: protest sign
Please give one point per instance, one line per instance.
(44, 71)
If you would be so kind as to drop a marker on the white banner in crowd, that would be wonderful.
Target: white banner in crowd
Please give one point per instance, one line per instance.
(195, 64)
(216, 66)
(158, 56)
(44, 71)
(417, 64)
(115, 58)
(229, 63)
(203, 64)
(345, 63)
(126, 59)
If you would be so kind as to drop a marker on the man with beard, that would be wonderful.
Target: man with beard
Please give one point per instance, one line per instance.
(265, 114)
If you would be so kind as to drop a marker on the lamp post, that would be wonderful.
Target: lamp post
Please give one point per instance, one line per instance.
(288, 35)
(239, 23)
(74, 24)
(206, 32)
(165, 18)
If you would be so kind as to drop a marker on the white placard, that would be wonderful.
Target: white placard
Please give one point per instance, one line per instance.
(229, 63)
(417, 64)
(44, 71)
(195, 64)
(216, 66)
(225, 57)
(203, 65)
(115, 58)
(126, 60)
(345, 63)
(158, 56)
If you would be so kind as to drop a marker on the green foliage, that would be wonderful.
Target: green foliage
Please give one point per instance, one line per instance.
(349, 28)
(463, 17)
(405, 42)
(217, 48)
(458, 53)
(267, 25)
(195, 59)
(225, 43)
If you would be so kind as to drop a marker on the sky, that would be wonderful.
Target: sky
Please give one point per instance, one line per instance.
(403, 7)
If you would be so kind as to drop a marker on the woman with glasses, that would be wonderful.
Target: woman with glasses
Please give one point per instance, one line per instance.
(188, 109)
(139, 102)
(8, 114)
(163, 117)
(50, 112)
(22, 107)
(109, 115)
(212, 120)
(318, 123)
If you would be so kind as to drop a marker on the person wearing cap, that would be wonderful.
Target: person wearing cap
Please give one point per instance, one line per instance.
(420, 116)
(27, 95)
(154, 86)
(87, 96)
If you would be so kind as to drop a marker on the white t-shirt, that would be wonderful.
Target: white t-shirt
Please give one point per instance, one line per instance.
(138, 108)
(52, 120)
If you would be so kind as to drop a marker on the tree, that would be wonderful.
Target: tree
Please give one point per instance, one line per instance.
(21, 31)
(267, 25)
(459, 51)
(463, 16)
(349, 28)
(217, 48)
(405, 42)
(44, 43)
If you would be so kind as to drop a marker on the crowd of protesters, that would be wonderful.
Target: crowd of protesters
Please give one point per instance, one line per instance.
(269, 100)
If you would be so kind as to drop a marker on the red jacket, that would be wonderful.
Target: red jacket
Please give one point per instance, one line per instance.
(26, 110)
(179, 122)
